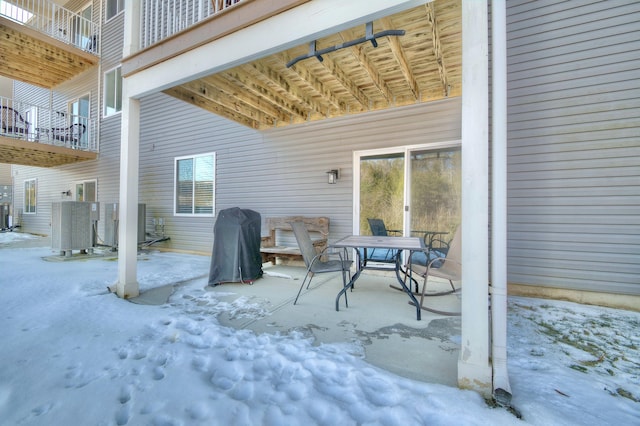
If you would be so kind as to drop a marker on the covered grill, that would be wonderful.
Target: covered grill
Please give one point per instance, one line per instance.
(236, 247)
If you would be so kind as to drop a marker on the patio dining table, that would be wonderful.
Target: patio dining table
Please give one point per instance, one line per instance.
(362, 243)
(429, 236)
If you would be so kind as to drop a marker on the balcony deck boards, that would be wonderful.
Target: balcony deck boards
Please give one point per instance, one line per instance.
(32, 153)
(30, 56)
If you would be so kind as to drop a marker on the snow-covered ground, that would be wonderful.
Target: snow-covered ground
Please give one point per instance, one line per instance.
(73, 354)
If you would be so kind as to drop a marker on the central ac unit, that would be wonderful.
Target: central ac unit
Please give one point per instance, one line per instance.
(112, 220)
(72, 226)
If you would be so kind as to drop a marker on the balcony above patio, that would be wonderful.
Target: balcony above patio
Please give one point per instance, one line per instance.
(34, 136)
(411, 53)
(44, 44)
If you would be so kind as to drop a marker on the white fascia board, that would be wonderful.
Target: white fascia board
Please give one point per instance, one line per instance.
(310, 21)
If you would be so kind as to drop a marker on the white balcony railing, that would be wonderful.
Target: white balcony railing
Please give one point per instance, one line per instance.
(54, 21)
(24, 121)
(163, 18)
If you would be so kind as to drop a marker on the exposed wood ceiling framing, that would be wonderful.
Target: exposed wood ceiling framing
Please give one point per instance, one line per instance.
(27, 153)
(423, 65)
(35, 58)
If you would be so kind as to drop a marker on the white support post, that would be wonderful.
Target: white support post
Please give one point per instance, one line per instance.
(474, 369)
(501, 386)
(127, 285)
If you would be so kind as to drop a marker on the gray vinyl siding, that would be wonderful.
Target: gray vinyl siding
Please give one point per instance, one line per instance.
(106, 169)
(112, 42)
(33, 95)
(52, 182)
(5, 174)
(279, 172)
(574, 145)
(573, 150)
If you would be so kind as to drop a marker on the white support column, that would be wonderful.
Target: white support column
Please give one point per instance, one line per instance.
(127, 285)
(474, 369)
(501, 386)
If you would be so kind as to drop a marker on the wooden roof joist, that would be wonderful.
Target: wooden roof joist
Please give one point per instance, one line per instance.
(38, 59)
(424, 64)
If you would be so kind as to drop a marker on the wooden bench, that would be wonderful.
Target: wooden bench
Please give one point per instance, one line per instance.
(271, 248)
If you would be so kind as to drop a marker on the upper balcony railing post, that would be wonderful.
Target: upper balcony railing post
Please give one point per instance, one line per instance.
(163, 18)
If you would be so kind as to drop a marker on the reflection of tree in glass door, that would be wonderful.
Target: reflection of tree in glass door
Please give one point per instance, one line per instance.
(433, 183)
(382, 190)
(436, 186)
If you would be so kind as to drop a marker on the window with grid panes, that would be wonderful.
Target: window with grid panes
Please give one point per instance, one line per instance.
(195, 185)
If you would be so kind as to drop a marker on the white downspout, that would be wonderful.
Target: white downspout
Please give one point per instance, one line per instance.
(501, 387)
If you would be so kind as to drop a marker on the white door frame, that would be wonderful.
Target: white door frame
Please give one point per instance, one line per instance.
(402, 149)
(84, 182)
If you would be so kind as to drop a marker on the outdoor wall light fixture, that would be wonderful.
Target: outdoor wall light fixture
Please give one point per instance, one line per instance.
(332, 176)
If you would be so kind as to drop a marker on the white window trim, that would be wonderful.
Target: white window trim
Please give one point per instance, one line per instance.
(405, 150)
(114, 16)
(88, 117)
(175, 180)
(104, 94)
(83, 183)
(77, 99)
(24, 201)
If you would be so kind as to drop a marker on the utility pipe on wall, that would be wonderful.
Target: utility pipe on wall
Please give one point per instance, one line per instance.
(501, 387)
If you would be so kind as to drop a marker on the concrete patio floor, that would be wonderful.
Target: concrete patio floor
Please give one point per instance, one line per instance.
(379, 319)
(379, 322)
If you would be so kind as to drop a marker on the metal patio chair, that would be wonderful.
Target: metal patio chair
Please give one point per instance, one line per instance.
(314, 260)
(11, 121)
(450, 268)
(69, 135)
(379, 229)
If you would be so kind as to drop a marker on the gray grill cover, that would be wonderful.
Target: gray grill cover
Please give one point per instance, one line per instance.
(236, 247)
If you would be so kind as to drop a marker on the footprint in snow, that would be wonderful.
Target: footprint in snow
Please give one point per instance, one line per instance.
(158, 373)
(125, 395)
(243, 391)
(76, 377)
(123, 415)
(191, 327)
(198, 411)
(42, 409)
(226, 377)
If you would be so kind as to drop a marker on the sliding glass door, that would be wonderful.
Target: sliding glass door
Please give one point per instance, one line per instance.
(382, 191)
(414, 190)
(435, 193)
